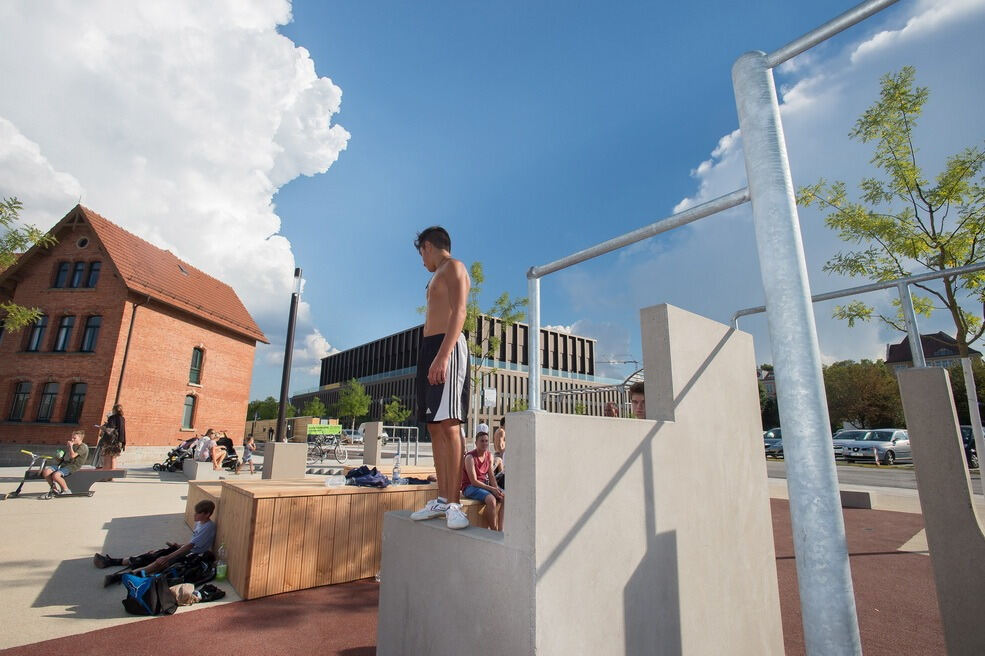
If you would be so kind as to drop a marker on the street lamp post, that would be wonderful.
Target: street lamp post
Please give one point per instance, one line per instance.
(285, 381)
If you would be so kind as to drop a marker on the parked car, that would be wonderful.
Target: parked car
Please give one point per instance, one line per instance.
(773, 443)
(843, 437)
(970, 452)
(891, 445)
(352, 436)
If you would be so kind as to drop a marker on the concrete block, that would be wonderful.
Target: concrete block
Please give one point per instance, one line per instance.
(371, 443)
(284, 460)
(639, 555)
(199, 471)
(954, 530)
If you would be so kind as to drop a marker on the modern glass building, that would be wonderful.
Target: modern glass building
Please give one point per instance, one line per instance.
(387, 367)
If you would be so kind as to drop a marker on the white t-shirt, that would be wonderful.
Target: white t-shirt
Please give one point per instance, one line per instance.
(203, 448)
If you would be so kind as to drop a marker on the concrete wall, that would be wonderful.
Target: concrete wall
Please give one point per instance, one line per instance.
(954, 531)
(666, 550)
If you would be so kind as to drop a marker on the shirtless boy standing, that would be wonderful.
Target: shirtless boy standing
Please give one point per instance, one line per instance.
(442, 372)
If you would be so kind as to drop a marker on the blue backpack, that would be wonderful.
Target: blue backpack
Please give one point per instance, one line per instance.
(148, 595)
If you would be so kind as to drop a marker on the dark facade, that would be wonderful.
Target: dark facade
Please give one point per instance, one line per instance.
(387, 368)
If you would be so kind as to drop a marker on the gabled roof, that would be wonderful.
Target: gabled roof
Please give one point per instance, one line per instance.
(147, 269)
(934, 346)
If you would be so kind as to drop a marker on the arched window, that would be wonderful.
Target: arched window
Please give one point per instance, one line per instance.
(188, 418)
(36, 336)
(76, 399)
(195, 371)
(48, 394)
(91, 334)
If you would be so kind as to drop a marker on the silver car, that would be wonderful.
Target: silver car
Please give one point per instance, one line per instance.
(843, 437)
(888, 445)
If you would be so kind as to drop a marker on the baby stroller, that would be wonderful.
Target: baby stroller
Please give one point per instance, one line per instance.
(231, 459)
(176, 456)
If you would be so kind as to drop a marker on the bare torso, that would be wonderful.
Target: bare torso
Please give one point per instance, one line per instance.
(439, 307)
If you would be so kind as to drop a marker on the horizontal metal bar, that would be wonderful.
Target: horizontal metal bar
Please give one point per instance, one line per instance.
(873, 287)
(674, 221)
(826, 31)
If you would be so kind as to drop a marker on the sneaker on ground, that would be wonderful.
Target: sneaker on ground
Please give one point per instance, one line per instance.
(456, 517)
(99, 561)
(432, 509)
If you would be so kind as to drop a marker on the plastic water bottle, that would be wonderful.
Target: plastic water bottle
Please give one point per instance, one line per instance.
(396, 469)
(221, 564)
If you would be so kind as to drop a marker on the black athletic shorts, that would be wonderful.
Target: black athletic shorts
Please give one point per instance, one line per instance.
(449, 400)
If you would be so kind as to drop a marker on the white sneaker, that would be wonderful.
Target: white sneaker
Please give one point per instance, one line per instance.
(456, 516)
(432, 509)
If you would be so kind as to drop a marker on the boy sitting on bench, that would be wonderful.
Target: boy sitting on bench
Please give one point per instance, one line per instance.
(73, 459)
(155, 561)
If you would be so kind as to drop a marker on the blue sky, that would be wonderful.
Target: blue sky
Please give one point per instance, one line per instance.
(325, 134)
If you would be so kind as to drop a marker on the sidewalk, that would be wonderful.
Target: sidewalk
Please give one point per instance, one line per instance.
(51, 589)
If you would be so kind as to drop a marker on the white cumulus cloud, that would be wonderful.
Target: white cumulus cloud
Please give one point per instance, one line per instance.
(177, 120)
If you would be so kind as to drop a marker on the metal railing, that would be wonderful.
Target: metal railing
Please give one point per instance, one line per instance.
(826, 594)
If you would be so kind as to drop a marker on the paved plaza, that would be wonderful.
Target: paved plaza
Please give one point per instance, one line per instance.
(52, 593)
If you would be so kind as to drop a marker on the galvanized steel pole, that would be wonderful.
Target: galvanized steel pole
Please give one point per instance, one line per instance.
(533, 343)
(974, 415)
(912, 331)
(823, 572)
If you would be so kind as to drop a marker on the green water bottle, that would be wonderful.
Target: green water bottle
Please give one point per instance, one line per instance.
(221, 565)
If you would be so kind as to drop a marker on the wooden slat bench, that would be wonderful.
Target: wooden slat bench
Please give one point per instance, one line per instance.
(197, 491)
(290, 535)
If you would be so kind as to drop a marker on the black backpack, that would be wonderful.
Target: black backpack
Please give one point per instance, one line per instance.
(193, 568)
(148, 595)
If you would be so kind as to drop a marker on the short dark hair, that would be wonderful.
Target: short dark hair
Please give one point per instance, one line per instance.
(636, 388)
(205, 506)
(502, 421)
(436, 235)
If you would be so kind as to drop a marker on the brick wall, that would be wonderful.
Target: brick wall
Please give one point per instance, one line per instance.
(156, 380)
(156, 377)
(34, 289)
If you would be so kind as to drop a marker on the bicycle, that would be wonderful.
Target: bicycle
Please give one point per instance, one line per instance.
(325, 446)
(29, 475)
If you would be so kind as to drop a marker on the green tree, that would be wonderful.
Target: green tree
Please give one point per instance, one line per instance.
(484, 342)
(519, 405)
(959, 391)
(768, 410)
(314, 408)
(905, 223)
(395, 412)
(581, 408)
(353, 401)
(267, 409)
(864, 394)
(15, 238)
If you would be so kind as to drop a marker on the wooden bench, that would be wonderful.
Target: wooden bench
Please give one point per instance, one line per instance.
(290, 535)
(199, 491)
(406, 471)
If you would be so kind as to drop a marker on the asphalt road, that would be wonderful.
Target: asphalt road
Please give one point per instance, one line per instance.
(901, 476)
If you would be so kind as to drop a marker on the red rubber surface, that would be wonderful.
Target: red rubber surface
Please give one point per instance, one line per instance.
(894, 591)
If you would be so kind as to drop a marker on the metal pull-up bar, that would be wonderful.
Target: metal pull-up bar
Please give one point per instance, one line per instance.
(824, 577)
(534, 274)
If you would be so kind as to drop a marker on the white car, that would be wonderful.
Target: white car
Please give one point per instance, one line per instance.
(352, 436)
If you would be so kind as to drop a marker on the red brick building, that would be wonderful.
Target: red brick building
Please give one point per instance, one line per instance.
(127, 322)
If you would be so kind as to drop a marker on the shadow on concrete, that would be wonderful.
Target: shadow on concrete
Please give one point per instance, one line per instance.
(652, 601)
(70, 586)
(645, 449)
(126, 536)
